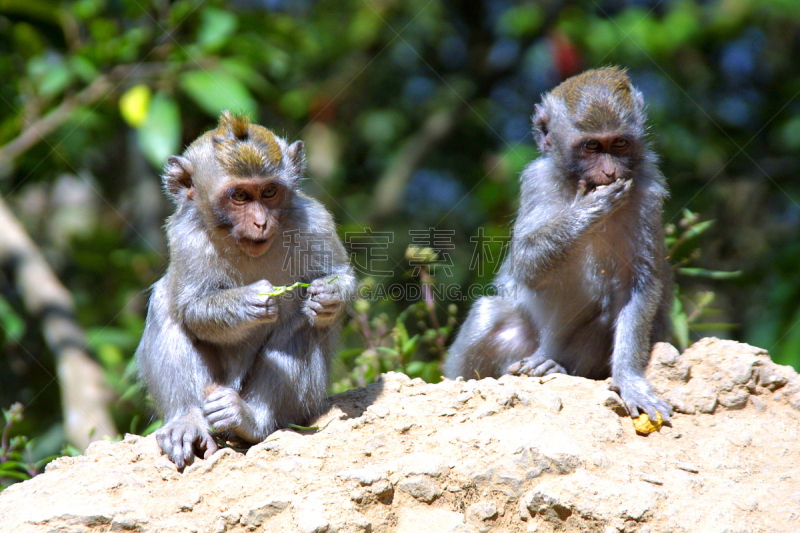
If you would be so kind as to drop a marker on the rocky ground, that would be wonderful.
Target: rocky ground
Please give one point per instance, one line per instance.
(508, 455)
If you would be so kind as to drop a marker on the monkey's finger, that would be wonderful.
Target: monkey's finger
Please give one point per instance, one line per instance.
(313, 305)
(210, 445)
(187, 448)
(651, 413)
(633, 411)
(515, 368)
(322, 287)
(327, 298)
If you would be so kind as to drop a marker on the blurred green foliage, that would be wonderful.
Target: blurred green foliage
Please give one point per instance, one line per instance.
(96, 94)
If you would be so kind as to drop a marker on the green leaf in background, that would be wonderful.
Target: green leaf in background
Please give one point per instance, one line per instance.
(134, 104)
(712, 274)
(13, 324)
(680, 322)
(160, 135)
(216, 28)
(55, 76)
(214, 91)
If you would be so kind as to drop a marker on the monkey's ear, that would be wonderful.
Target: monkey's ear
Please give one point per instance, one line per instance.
(178, 177)
(297, 155)
(541, 128)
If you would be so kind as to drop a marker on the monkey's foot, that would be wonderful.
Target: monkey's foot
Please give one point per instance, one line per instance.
(639, 398)
(226, 411)
(536, 366)
(182, 439)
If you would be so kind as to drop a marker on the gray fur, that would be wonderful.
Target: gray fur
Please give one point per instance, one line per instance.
(267, 358)
(586, 288)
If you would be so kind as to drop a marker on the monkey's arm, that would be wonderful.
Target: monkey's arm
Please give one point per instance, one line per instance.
(545, 235)
(224, 316)
(632, 336)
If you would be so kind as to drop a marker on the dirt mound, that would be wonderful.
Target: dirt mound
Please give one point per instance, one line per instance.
(514, 454)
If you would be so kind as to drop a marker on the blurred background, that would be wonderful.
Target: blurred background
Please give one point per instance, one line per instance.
(416, 119)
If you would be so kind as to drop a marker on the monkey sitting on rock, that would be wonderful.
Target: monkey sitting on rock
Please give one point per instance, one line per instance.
(223, 353)
(585, 289)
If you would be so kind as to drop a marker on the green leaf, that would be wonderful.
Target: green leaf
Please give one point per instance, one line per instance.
(56, 79)
(388, 351)
(214, 91)
(415, 368)
(216, 28)
(245, 73)
(15, 475)
(521, 20)
(431, 372)
(13, 324)
(160, 135)
(711, 274)
(680, 322)
(401, 332)
(410, 346)
(83, 68)
(698, 229)
(714, 326)
(346, 355)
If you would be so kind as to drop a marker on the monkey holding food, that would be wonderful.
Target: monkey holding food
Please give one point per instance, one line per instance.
(221, 353)
(585, 289)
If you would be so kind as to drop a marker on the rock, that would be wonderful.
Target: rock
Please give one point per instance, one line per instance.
(514, 454)
(420, 487)
(428, 520)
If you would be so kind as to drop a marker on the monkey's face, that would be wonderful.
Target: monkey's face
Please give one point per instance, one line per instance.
(603, 159)
(249, 209)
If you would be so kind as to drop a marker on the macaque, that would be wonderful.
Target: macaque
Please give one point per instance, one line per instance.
(221, 354)
(585, 289)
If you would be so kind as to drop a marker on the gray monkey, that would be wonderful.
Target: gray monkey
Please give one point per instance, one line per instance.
(220, 354)
(586, 288)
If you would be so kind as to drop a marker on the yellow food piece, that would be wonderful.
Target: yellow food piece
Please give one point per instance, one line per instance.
(644, 425)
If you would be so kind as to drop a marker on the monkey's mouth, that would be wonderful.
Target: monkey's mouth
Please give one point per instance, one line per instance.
(254, 247)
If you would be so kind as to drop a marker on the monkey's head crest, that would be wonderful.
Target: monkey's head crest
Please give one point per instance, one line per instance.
(245, 149)
(600, 99)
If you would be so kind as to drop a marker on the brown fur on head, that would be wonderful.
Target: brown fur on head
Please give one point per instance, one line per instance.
(239, 178)
(599, 99)
(245, 149)
(592, 125)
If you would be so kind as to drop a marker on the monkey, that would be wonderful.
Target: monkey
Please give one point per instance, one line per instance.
(585, 288)
(221, 353)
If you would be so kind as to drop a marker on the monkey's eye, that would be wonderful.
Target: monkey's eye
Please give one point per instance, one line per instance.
(592, 145)
(620, 144)
(270, 191)
(240, 195)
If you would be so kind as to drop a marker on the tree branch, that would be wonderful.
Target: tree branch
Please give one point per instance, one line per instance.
(37, 131)
(392, 183)
(85, 396)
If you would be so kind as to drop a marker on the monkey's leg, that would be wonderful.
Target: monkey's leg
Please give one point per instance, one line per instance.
(494, 335)
(287, 383)
(176, 374)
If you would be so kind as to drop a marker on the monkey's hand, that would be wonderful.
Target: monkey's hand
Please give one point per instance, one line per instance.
(536, 366)
(604, 199)
(259, 305)
(324, 304)
(184, 438)
(639, 397)
(225, 411)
